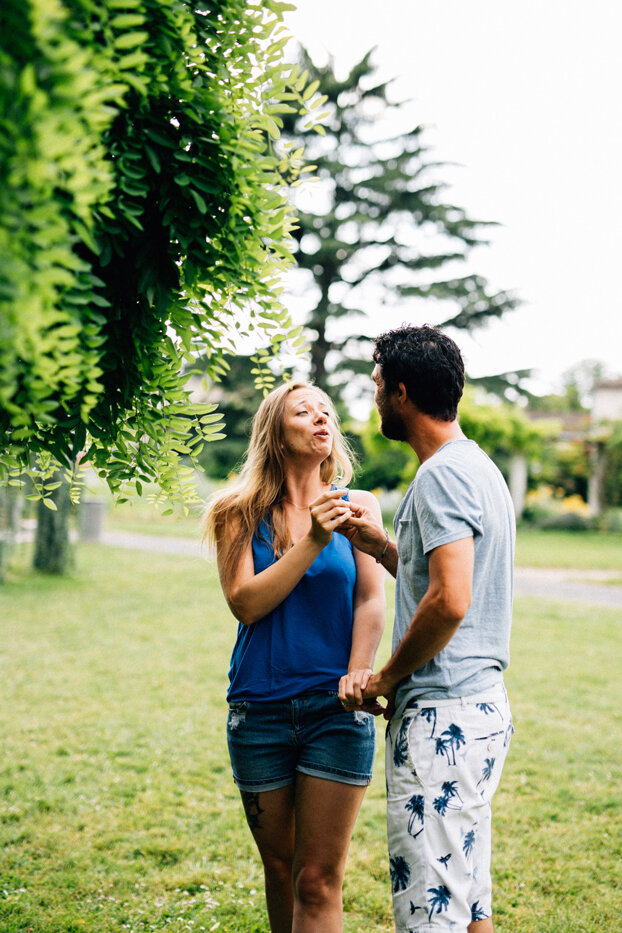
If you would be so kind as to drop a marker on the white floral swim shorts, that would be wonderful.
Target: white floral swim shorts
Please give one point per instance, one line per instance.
(443, 763)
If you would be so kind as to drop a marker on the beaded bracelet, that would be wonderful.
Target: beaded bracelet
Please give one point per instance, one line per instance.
(385, 548)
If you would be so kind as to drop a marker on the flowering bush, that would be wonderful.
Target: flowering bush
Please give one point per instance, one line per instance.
(548, 507)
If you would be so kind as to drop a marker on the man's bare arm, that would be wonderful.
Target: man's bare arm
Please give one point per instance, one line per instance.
(437, 619)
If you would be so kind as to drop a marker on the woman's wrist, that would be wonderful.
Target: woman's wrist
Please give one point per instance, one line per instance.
(314, 538)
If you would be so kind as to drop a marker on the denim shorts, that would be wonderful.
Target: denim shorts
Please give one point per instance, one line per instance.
(313, 734)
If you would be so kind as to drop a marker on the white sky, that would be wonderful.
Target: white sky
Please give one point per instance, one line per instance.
(525, 96)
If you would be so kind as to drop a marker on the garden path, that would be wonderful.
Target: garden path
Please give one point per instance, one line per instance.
(584, 586)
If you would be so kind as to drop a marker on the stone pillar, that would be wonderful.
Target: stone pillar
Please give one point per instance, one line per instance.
(91, 519)
(518, 482)
(597, 457)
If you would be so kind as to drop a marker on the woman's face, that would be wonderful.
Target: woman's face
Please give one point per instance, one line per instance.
(307, 425)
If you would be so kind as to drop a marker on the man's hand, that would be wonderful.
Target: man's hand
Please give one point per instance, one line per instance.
(364, 531)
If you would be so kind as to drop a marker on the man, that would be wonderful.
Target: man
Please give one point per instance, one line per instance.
(450, 722)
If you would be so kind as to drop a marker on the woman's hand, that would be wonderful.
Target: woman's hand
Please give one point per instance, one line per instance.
(351, 688)
(328, 511)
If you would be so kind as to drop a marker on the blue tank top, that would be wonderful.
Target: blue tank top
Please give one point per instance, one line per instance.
(304, 643)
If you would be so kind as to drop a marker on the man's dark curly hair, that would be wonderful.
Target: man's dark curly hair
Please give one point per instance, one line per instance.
(428, 363)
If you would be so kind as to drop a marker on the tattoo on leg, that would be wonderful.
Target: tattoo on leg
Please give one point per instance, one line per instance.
(252, 809)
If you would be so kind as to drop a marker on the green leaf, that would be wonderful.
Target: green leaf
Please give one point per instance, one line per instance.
(127, 20)
(200, 203)
(130, 40)
(310, 90)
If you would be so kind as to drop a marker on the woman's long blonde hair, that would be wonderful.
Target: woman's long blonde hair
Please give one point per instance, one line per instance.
(258, 491)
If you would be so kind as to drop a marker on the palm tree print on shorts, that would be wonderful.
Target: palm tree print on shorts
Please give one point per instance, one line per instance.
(429, 714)
(468, 843)
(455, 740)
(416, 807)
(399, 869)
(441, 747)
(400, 749)
(450, 789)
(440, 804)
(439, 899)
(450, 799)
(487, 772)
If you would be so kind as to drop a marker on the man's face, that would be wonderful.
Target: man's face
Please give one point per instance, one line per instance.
(391, 423)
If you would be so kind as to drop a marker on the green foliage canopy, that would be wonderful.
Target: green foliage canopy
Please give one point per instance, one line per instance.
(143, 211)
(499, 429)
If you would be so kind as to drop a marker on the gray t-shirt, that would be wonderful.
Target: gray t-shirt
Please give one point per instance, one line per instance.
(457, 493)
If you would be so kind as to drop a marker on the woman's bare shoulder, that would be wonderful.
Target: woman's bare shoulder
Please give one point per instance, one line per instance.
(363, 497)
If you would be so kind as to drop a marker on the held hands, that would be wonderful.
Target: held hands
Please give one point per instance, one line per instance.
(364, 531)
(360, 689)
(328, 512)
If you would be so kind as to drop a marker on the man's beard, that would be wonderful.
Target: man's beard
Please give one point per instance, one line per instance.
(392, 426)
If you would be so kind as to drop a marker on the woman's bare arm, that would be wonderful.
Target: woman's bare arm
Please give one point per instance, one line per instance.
(251, 596)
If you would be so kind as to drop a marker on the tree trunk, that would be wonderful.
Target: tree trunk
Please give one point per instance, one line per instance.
(320, 345)
(52, 549)
(10, 510)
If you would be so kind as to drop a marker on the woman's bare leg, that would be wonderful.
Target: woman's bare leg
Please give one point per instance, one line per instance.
(325, 815)
(270, 816)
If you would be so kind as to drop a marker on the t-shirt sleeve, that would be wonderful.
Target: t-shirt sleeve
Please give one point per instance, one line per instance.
(448, 507)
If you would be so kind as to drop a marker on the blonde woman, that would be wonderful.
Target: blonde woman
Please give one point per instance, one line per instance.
(310, 609)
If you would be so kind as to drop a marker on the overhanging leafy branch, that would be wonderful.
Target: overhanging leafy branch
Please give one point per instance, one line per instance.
(143, 211)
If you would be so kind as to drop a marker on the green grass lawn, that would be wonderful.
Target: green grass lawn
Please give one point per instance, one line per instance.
(586, 550)
(117, 809)
(140, 517)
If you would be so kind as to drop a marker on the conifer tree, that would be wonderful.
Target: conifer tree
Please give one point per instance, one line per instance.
(383, 230)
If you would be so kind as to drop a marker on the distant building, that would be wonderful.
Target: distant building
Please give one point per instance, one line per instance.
(607, 401)
(590, 429)
(606, 406)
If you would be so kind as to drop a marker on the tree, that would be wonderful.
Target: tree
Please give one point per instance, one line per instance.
(382, 226)
(383, 463)
(577, 386)
(142, 213)
(501, 429)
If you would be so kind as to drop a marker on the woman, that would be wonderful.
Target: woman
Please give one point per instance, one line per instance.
(309, 609)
